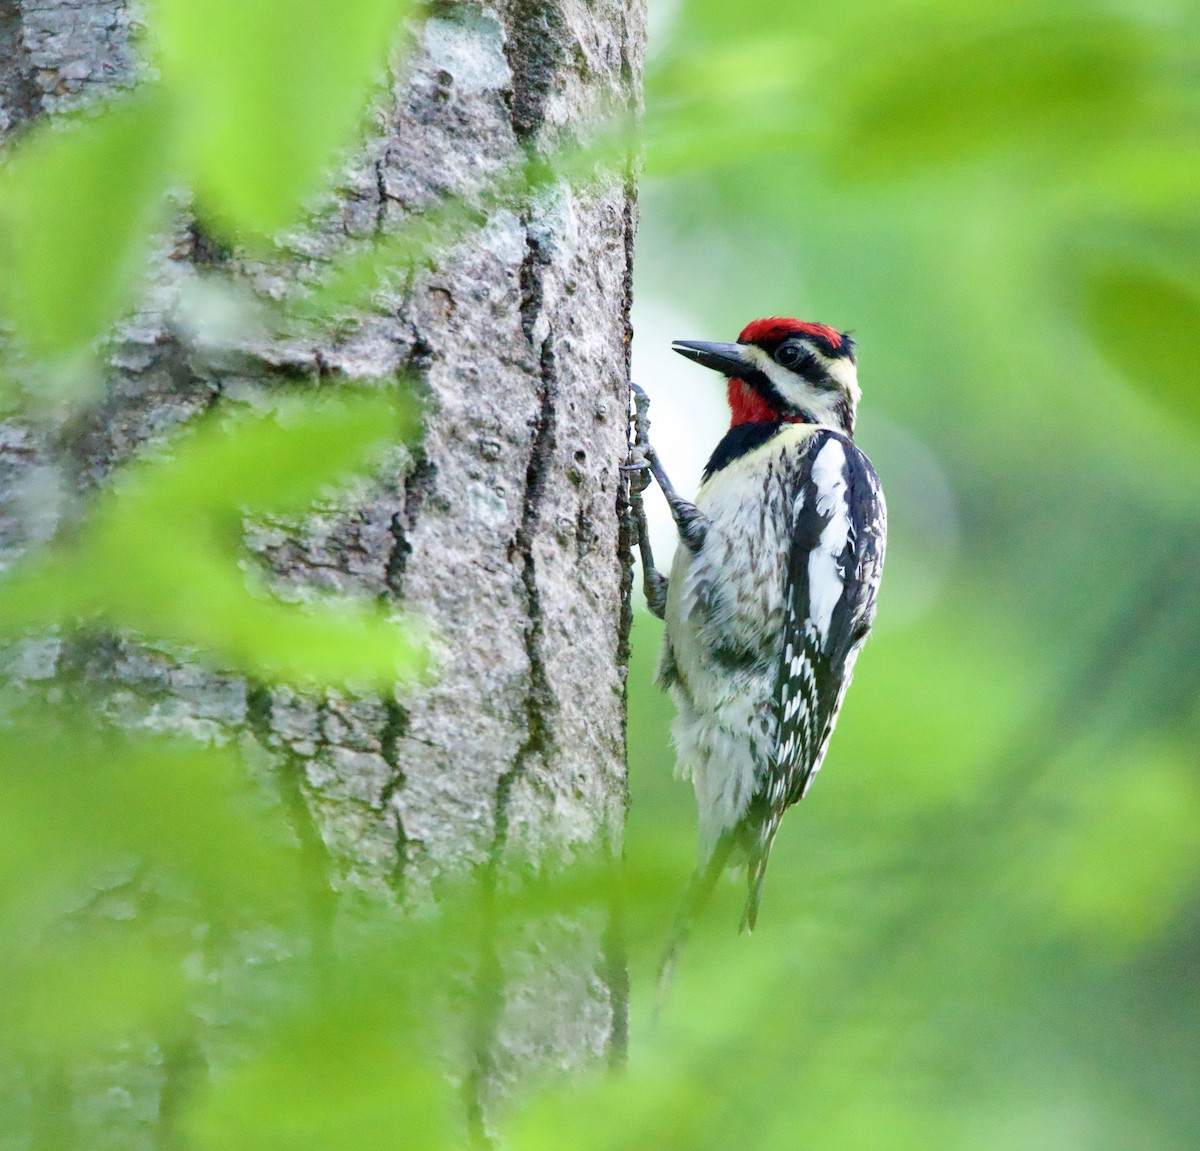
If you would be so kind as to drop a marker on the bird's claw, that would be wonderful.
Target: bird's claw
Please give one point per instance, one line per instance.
(637, 461)
(640, 461)
(637, 467)
(641, 414)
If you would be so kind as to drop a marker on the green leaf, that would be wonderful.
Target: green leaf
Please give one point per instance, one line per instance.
(267, 93)
(113, 847)
(341, 1081)
(91, 990)
(77, 798)
(78, 201)
(1145, 319)
(161, 553)
(658, 1107)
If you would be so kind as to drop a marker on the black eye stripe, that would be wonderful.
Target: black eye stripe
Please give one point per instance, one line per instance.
(761, 383)
(804, 362)
(810, 367)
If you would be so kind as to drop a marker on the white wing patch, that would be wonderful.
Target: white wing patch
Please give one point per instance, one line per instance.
(825, 580)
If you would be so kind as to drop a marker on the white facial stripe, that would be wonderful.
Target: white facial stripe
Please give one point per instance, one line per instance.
(799, 393)
(846, 375)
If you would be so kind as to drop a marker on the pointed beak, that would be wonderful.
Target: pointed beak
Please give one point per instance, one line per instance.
(729, 359)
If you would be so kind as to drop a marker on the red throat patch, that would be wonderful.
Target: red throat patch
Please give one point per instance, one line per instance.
(746, 406)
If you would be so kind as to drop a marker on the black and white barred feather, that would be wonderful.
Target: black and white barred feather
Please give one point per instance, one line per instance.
(839, 533)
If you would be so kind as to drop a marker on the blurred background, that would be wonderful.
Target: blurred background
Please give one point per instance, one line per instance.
(981, 930)
(982, 927)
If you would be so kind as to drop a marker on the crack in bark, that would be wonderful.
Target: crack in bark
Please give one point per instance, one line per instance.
(418, 486)
(382, 198)
(539, 741)
(395, 729)
(616, 966)
(206, 250)
(539, 703)
(585, 532)
(20, 96)
(625, 536)
(532, 290)
(316, 862)
(398, 553)
(535, 50)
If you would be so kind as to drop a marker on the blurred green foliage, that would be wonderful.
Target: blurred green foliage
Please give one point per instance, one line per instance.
(83, 802)
(982, 927)
(981, 930)
(254, 101)
(266, 94)
(161, 548)
(346, 1078)
(77, 206)
(152, 887)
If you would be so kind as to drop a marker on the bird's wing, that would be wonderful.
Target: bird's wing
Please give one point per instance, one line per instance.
(838, 535)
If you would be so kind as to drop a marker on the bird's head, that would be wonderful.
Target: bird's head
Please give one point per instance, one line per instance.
(783, 369)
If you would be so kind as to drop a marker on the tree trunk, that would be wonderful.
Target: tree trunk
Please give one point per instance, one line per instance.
(502, 530)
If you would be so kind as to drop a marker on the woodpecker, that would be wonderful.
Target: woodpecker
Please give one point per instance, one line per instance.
(772, 590)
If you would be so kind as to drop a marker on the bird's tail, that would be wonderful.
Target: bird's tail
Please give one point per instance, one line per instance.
(695, 898)
(756, 871)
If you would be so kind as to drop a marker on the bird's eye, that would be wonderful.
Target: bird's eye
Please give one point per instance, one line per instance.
(789, 355)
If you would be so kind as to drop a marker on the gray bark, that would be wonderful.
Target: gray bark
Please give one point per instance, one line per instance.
(503, 529)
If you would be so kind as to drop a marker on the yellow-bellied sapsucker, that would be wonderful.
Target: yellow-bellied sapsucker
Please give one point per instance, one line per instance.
(772, 591)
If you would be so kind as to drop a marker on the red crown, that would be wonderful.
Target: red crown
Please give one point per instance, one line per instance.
(780, 327)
